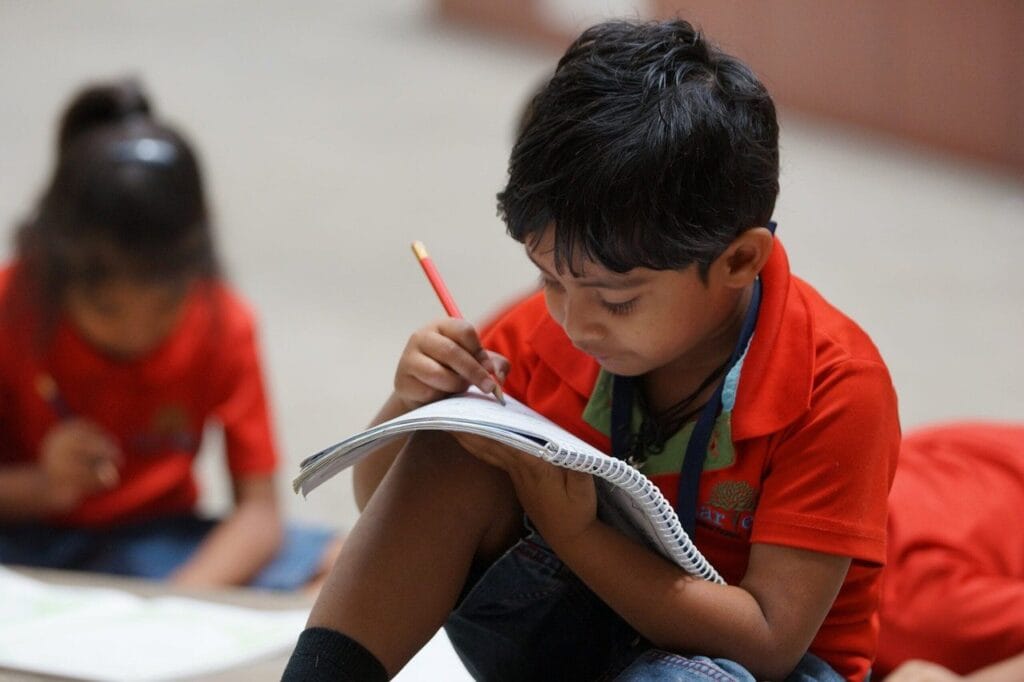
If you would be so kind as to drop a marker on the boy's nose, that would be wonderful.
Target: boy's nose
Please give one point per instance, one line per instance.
(579, 326)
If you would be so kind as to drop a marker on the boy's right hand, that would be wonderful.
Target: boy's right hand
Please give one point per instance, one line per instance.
(77, 459)
(443, 358)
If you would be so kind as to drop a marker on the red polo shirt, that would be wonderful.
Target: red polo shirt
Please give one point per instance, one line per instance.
(815, 433)
(155, 407)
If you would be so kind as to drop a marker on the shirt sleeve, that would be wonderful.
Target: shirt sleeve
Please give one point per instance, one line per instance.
(507, 333)
(241, 401)
(829, 475)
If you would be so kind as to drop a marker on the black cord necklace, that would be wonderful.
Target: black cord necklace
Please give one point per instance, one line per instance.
(657, 427)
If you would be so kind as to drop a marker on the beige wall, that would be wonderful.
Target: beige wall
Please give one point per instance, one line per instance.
(944, 73)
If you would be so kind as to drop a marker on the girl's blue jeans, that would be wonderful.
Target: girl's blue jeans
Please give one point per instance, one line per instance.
(527, 617)
(154, 549)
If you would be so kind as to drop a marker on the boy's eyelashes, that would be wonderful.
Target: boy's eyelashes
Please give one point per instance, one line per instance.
(615, 308)
(623, 308)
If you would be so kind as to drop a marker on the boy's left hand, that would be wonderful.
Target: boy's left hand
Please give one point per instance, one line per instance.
(560, 503)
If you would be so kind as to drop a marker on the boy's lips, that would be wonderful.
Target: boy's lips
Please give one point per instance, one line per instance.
(598, 354)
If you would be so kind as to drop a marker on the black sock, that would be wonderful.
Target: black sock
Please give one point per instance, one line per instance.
(325, 654)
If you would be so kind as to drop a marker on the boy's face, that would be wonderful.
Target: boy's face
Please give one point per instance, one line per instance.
(640, 321)
(123, 318)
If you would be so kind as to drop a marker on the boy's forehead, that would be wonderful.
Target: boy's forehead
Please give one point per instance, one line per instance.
(583, 269)
(541, 250)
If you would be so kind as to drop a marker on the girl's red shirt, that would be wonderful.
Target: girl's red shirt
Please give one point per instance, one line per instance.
(155, 407)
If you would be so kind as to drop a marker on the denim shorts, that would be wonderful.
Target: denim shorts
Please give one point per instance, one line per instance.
(154, 549)
(527, 617)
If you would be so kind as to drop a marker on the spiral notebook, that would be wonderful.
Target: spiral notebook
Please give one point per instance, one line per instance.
(627, 499)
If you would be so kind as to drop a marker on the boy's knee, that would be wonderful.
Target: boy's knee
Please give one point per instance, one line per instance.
(439, 455)
(435, 462)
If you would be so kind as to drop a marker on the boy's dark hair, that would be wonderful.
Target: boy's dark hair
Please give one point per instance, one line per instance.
(648, 147)
(125, 200)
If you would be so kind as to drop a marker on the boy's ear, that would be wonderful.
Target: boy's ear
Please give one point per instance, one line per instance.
(743, 259)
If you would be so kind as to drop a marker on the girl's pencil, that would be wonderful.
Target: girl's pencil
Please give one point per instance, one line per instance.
(446, 298)
(47, 389)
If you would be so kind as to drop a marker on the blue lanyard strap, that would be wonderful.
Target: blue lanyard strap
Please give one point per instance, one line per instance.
(696, 449)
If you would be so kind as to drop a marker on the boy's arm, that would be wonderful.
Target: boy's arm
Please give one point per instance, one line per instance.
(240, 545)
(369, 471)
(766, 623)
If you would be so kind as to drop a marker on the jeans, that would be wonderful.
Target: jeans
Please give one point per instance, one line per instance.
(527, 617)
(153, 549)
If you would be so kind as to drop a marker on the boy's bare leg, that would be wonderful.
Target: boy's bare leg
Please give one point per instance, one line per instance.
(404, 564)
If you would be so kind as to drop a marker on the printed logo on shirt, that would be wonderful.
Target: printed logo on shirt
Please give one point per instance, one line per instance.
(169, 431)
(730, 507)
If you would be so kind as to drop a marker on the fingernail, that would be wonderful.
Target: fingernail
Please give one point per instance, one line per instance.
(487, 386)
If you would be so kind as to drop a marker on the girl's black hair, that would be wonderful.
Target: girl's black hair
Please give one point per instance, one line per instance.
(648, 147)
(125, 201)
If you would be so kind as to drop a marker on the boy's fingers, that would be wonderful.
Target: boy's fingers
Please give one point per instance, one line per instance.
(481, 448)
(450, 353)
(498, 364)
(462, 332)
(437, 377)
(467, 337)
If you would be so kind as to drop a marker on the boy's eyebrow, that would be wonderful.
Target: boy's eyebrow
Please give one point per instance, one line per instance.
(626, 282)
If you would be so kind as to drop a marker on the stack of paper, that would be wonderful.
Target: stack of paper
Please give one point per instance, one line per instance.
(91, 633)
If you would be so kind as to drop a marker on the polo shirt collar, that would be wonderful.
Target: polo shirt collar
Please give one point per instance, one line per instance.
(776, 380)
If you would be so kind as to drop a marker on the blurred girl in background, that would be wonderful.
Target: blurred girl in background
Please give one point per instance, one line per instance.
(119, 340)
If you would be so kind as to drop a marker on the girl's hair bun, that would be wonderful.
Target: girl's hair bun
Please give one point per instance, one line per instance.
(99, 105)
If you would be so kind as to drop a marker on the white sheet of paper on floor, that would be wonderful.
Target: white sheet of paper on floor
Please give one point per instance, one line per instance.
(91, 633)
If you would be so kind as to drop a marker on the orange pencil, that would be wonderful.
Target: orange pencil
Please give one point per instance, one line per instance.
(446, 298)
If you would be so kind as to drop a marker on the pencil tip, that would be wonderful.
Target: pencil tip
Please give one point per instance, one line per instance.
(419, 250)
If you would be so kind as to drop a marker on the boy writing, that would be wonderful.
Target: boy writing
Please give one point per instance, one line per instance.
(669, 328)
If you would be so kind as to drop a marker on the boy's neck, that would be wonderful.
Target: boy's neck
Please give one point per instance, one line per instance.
(665, 386)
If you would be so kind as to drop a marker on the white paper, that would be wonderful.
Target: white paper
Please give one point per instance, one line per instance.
(91, 633)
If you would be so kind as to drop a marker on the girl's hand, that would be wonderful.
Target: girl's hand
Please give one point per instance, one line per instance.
(442, 358)
(77, 459)
(922, 671)
(560, 503)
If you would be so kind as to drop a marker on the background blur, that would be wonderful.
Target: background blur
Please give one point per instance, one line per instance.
(334, 133)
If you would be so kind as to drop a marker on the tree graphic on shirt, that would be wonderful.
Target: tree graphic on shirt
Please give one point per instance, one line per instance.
(734, 496)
